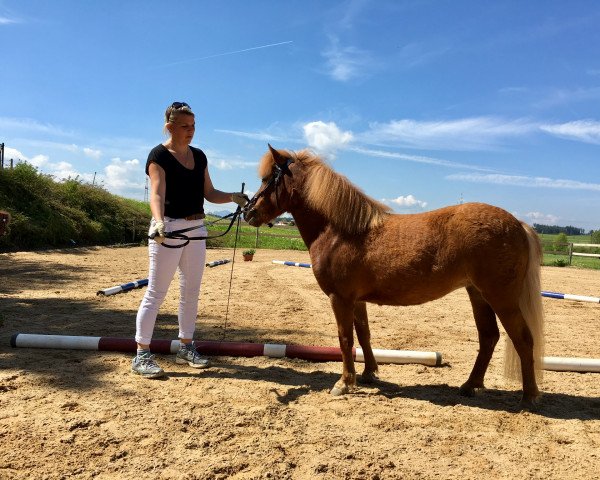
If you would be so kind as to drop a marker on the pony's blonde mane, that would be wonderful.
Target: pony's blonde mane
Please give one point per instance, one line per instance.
(346, 206)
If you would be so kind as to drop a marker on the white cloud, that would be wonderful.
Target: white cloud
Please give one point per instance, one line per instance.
(124, 176)
(565, 97)
(417, 159)
(475, 133)
(7, 21)
(14, 154)
(539, 217)
(416, 54)
(39, 161)
(462, 134)
(64, 170)
(587, 131)
(223, 54)
(221, 164)
(326, 138)
(406, 201)
(345, 63)
(524, 181)
(267, 137)
(225, 162)
(89, 152)
(59, 170)
(68, 147)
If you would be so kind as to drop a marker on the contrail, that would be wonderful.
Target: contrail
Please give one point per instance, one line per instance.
(226, 53)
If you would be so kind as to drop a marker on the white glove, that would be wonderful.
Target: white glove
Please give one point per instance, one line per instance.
(240, 198)
(157, 232)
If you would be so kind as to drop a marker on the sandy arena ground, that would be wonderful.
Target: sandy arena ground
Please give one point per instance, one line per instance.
(82, 414)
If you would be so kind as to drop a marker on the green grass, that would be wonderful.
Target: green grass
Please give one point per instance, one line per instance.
(557, 260)
(276, 238)
(546, 237)
(557, 255)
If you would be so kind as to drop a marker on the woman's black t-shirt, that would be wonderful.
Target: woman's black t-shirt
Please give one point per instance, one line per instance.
(184, 194)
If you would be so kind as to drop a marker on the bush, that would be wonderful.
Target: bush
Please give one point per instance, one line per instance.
(561, 243)
(48, 214)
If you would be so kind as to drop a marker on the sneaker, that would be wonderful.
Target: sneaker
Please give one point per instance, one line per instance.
(146, 366)
(188, 354)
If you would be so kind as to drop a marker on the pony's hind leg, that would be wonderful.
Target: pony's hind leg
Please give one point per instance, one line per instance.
(488, 333)
(522, 339)
(361, 325)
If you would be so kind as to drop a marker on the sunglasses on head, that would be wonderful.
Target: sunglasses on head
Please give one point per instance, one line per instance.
(177, 105)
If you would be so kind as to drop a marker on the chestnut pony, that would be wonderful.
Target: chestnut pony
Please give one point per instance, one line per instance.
(4, 219)
(360, 253)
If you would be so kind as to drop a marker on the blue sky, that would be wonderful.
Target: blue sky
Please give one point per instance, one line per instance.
(422, 104)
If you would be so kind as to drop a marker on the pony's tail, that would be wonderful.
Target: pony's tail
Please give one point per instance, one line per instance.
(530, 303)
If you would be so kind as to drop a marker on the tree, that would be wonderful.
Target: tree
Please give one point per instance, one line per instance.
(596, 237)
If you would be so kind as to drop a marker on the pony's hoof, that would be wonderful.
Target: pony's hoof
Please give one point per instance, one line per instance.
(337, 390)
(467, 390)
(369, 377)
(529, 404)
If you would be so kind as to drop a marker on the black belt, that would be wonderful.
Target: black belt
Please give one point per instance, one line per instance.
(195, 216)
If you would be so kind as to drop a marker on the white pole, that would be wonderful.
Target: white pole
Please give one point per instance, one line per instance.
(433, 359)
(66, 342)
(566, 364)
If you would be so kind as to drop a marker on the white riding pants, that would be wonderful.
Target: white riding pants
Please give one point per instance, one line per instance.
(164, 262)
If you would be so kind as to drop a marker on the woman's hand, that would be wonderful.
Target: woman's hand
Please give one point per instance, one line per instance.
(157, 232)
(240, 198)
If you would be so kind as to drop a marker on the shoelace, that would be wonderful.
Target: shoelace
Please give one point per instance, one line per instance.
(147, 361)
(194, 353)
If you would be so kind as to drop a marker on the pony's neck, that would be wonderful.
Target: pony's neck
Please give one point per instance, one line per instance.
(311, 224)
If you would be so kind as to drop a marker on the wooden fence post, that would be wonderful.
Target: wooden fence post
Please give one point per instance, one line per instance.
(570, 252)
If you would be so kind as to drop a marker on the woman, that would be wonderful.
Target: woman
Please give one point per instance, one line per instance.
(179, 184)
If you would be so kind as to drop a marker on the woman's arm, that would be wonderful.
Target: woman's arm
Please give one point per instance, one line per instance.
(211, 193)
(157, 191)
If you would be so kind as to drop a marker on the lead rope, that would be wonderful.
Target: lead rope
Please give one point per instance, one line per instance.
(237, 232)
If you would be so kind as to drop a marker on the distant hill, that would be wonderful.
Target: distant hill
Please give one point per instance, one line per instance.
(219, 213)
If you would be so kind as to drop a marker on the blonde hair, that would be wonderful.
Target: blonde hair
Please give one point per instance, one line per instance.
(173, 111)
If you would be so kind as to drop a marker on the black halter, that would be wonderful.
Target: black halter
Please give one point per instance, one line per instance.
(278, 172)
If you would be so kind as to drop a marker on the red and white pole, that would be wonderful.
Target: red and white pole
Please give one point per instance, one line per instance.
(232, 349)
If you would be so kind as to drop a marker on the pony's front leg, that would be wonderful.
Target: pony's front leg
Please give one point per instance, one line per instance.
(361, 324)
(344, 316)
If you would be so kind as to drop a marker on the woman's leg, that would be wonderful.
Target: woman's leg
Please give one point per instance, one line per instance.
(163, 264)
(191, 269)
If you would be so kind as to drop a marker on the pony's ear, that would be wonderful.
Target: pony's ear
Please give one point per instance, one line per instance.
(278, 157)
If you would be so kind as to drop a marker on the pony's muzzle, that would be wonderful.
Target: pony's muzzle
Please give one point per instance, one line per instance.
(251, 217)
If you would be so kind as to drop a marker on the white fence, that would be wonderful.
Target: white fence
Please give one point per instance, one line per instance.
(583, 254)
